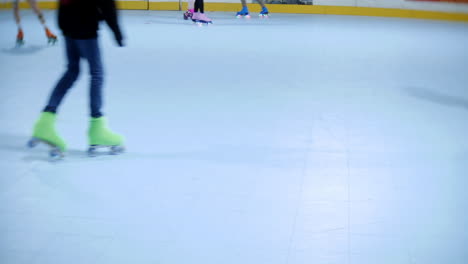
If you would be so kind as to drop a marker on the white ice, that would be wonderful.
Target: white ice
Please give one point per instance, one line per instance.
(296, 139)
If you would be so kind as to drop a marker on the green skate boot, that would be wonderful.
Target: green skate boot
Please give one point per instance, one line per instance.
(100, 136)
(44, 132)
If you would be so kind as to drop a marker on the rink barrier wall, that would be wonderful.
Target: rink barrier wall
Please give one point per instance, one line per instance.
(293, 9)
(131, 5)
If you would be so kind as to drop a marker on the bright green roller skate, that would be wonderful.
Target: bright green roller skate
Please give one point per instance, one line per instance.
(100, 136)
(44, 132)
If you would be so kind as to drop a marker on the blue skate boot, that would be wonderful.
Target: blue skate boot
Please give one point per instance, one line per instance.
(243, 13)
(263, 13)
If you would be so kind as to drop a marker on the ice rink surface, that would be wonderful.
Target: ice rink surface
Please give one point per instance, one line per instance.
(297, 139)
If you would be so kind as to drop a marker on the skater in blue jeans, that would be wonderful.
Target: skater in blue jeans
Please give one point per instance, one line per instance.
(79, 21)
(76, 49)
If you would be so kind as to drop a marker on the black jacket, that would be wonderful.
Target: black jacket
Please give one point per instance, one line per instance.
(79, 19)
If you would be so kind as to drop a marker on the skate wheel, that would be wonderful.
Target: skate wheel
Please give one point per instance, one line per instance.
(115, 150)
(247, 16)
(55, 154)
(92, 152)
(52, 41)
(33, 142)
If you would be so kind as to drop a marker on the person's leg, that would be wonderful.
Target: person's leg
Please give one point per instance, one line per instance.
(191, 5)
(261, 3)
(89, 48)
(244, 3)
(16, 13)
(38, 11)
(264, 12)
(199, 6)
(245, 10)
(190, 9)
(199, 15)
(68, 78)
(20, 35)
(52, 38)
(44, 128)
(98, 133)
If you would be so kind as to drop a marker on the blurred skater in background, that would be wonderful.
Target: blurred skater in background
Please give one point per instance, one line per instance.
(199, 16)
(190, 9)
(20, 36)
(245, 11)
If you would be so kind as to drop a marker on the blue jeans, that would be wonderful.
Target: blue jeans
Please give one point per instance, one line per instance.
(76, 49)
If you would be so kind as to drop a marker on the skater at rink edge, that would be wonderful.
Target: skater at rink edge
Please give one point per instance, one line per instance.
(81, 41)
(190, 9)
(20, 36)
(245, 10)
(199, 14)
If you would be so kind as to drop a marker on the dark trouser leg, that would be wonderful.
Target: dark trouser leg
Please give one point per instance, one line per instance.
(89, 49)
(199, 6)
(67, 80)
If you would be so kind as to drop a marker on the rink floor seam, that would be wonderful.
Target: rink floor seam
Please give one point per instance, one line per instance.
(348, 180)
(301, 193)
